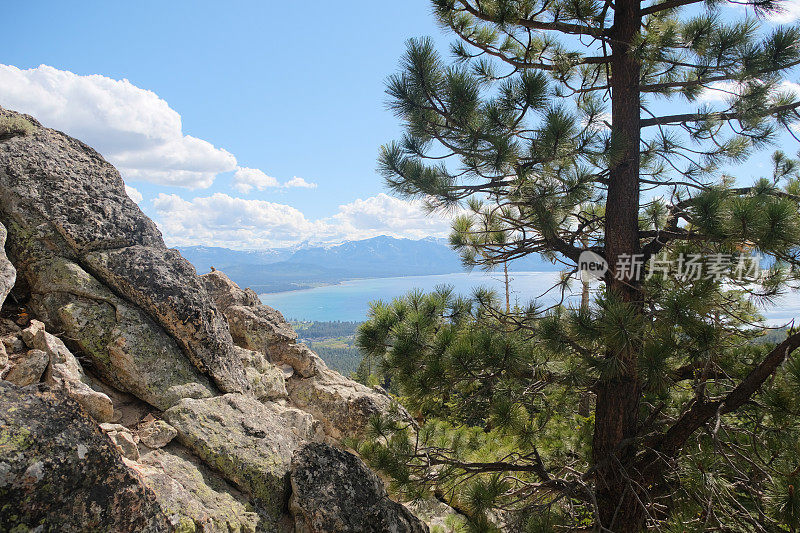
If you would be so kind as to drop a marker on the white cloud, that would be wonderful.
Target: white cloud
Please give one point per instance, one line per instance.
(299, 182)
(386, 215)
(222, 220)
(134, 195)
(132, 127)
(722, 91)
(246, 179)
(238, 223)
(719, 91)
(790, 12)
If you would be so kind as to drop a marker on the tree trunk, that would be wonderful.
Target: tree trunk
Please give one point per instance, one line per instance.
(508, 289)
(618, 492)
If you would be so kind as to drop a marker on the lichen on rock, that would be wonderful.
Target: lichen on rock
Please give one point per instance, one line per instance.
(194, 497)
(59, 472)
(333, 491)
(127, 348)
(8, 274)
(249, 442)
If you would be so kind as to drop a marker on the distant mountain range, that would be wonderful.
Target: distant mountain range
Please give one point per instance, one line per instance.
(305, 266)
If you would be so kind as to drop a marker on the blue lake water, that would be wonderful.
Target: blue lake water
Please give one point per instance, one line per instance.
(349, 300)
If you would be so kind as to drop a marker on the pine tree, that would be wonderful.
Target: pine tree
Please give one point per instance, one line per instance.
(613, 127)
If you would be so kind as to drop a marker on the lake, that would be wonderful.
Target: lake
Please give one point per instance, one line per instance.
(349, 300)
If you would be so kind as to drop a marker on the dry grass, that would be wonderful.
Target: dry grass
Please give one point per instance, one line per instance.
(14, 126)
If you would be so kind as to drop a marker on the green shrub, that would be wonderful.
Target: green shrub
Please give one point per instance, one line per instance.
(14, 126)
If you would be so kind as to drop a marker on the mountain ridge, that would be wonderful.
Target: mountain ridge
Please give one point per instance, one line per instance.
(282, 269)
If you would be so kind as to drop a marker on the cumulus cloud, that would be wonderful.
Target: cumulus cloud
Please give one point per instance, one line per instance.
(134, 195)
(299, 182)
(132, 127)
(222, 220)
(386, 215)
(789, 86)
(788, 12)
(246, 179)
(719, 91)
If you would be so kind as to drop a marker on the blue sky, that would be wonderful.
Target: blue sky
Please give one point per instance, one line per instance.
(289, 93)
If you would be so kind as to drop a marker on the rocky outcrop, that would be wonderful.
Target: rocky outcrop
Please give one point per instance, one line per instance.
(258, 327)
(194, 497)
(250, 442)
(127, 348)
(28, 369)
(59, 472)
(156, 434)
(343, 406)
(8, 275)
(196, 394)
(61, 199)
(64, 372)
(165, 285)
(333, 491)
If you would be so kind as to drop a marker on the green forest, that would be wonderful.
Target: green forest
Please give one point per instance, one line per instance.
(334, 342)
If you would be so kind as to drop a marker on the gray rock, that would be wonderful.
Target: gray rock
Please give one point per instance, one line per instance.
(3, 356)
(126, 444)
(30, 332)
(165, 285)
(110, 427)
(60, 199)
(249, 442)
(258, 327)
(127, 349)
(344, 406)
(288, 370)
(300, 357)
(58, 472)
(226, 293)
(8, 274)
(12, 343)
(266, 381)
(333, 491)
(195, 498)
(65, 194)
(65, 373)
(29, 368)
(157, 434)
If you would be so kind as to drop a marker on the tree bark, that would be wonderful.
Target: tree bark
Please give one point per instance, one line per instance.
(618, 492)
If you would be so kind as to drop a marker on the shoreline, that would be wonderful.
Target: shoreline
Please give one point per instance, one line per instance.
(351, 280)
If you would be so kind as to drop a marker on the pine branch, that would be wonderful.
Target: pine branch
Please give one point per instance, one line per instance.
(671, 231)
(562, 27)
(702, 411)
(520, 64)
(670, 4)
(697, 117)
(657, 87)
